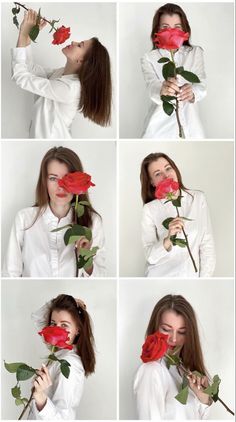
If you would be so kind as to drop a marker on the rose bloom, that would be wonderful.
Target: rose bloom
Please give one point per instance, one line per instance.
(56, 336)
(170, 38)
(61, 35)
(154, 347)
(76, 182)
(164, 187)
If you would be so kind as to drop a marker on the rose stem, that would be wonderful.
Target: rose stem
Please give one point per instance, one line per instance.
(181, 131)
(26, 8)
(76, 222)
(186, 238)
(226, 407)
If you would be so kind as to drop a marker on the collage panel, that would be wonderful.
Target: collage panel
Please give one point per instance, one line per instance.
(40, 231)
(206, 108)
(83, 310)
(204, 170)
(43, 99)
(196, 317)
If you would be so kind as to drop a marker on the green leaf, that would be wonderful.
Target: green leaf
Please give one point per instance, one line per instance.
(15, 21)
(12, 367)
(38, 17)
(81, 262)
(168, 108)
(213, 389)
(79, 210)
(61, 228)
(177, 202)
(52, 23)
(179, 242)
(34, 32)
(89, 263)
(185, 382)
(16, 392)
(87, 253)
(74, 239)
(86, 203)
(190, 77)
(163, 60)
(65, 370)
(179, 70)
(53, 357)
(183, 395)
(25, 372)
(197, 374)
(15, 10)
(172, 360)
(168, 70)
(75, 230)
(19, 401)
(88, 233)
(167, 98)
(166, 222)
(64, 361)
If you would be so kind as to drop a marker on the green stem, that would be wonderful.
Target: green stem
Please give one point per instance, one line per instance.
(181, 130)
(26, 8)
(76, 222)
(226, 407)
(186, 239)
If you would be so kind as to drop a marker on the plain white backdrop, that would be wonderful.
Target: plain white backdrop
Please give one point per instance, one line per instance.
(21, 343)
(208, 167)
(85, 20)
(20, 169)
(213, 302)
(212, 26)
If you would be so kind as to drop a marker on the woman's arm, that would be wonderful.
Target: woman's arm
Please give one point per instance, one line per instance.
(207, 257)
(198, 67)
(13, 263)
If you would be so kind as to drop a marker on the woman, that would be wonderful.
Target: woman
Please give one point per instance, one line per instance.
(158, 124)
(156, 386)
(34, 250)
(164, 259)
(57, 397)
(84, 84)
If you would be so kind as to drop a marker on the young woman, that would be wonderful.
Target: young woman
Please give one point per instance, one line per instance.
(156, 386)
(57, 397)
(158, 124)
(34, 250)
(84, 84)
(164, 259)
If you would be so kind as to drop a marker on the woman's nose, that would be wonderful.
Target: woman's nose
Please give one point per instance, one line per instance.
(173, 337)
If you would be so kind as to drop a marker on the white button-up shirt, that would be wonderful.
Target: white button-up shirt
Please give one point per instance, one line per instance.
(34, 251)
(158, 124)
(155, 388)
(57, 95)
(177, 262)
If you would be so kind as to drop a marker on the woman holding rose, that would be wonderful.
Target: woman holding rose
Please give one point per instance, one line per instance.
(155, 385)
(190, 221)
(158, 124)
(36, 244)
(84, 83)
(55, 396)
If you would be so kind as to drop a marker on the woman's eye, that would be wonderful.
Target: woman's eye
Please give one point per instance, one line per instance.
(166, 330)
(52, 179)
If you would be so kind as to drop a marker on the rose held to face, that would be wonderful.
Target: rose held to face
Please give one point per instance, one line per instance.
(154, 347)
(61, 35)
(170, 38)
(76, 183)
(56, 336)
(165, 187)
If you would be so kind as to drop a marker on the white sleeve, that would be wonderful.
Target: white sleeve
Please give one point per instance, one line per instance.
(61, 90)
(66, 397)
(34, 68)
(207, 256)
(149, 388)
(152, 242)
(203, 410)
(13, 263)
(153, 83)
(99, 266)
(199, 89)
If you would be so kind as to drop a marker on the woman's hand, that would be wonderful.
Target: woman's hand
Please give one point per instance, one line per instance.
(29, 21)
(84, 243)
(170, 87)
(186, 93)
(41, 383)
(175, 227)
(197, 385)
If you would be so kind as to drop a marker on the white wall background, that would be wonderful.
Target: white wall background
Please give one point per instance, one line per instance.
(85, 20)
(216, 326)
(207, 166)
(212, 27)
(20, 174)
(20, 341)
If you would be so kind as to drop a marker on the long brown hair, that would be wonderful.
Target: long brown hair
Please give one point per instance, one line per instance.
(191, 352)
(71, 159)
(170, 9)
(147, 190)
(95, 79)
(84, 341)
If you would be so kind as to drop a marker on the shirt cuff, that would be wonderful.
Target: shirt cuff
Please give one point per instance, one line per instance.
(19, 54)
(47, 413)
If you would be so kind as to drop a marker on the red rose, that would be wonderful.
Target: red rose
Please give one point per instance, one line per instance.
(61, 35)
(165, 187)
(76, 182)
(154, 347)
(170, 38)
(56, 336)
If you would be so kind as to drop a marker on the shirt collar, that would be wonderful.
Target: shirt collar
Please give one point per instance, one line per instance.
(49, 217)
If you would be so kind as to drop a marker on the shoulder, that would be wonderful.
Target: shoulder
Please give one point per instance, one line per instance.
(151, 206)
(151, 56)
(26, 214)
(76, 366)
(197, 196)
(96, 220)
(151, 371)
(193, 50)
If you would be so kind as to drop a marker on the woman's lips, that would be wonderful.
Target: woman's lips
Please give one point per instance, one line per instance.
(61, 195)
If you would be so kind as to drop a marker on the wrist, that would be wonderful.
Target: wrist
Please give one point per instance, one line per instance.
(167, 244)
(40, 400)
(23, 40)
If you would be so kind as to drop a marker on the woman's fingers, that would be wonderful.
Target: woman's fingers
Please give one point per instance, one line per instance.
(186, 93)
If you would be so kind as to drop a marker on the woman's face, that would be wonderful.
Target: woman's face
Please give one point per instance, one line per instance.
(58, 196)
(159, 170)
(76, 51)
(174, 325)
(65, 320)
(170, 21)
